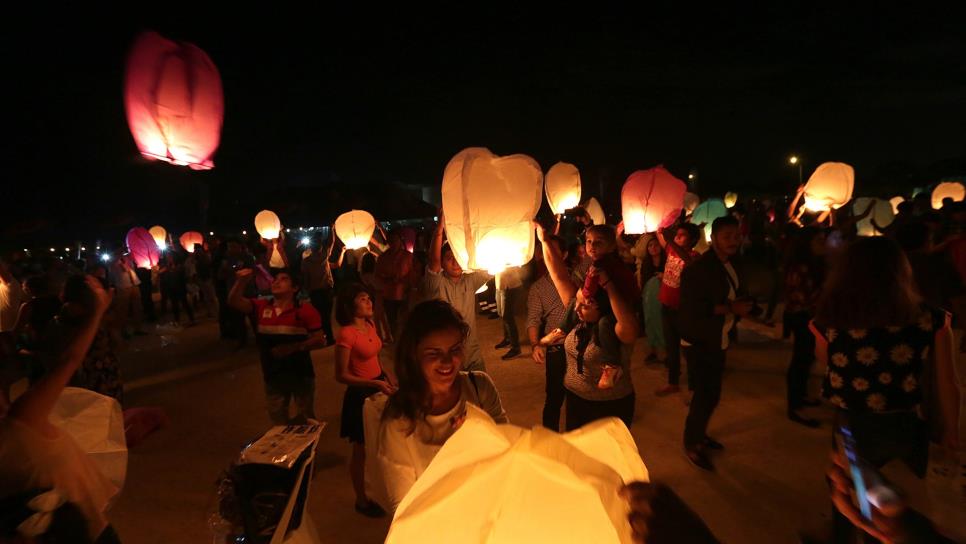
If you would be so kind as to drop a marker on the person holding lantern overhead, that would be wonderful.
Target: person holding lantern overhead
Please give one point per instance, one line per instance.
(445, 280)
(680, 253)
(286, 332)
(711, 301)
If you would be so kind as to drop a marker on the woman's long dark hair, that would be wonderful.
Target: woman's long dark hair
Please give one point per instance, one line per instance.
(345, 303)
(412, 400)
(871, 285)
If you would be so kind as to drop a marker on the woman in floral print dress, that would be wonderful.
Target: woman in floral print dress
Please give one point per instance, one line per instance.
(877, 339)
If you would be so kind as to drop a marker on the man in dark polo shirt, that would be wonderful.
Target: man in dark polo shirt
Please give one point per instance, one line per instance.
(286, 332)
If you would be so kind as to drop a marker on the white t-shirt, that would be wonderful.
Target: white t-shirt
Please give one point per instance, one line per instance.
(11, 297)
(729, 321)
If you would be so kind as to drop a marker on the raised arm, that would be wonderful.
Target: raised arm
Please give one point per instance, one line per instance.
(556, 267)
(436, 247)
(33, 407)
(237, 299)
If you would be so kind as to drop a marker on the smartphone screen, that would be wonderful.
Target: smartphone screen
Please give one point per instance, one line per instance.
(847, 444)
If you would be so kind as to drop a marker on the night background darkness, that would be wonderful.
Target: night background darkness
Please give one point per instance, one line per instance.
(325, 112)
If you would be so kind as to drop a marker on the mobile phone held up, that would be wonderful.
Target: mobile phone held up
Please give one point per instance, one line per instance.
(870, 488)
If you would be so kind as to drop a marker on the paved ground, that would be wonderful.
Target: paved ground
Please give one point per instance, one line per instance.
(769, 484)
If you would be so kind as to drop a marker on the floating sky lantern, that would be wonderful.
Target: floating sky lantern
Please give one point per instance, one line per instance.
(174, 102)
(706, 213)
(267, 224)
(829, 187)
(408, 236)
(160, 236)
(651, 199)
(947, 189)
(488, 203)
(563, 187)
(355, 228)
(189, 239)
(882, 213)
(595, 211)
(690, 202)
(730, 200)
(143, 248)
(502, 484)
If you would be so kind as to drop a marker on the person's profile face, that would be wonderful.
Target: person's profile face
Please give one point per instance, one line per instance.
(597, 246)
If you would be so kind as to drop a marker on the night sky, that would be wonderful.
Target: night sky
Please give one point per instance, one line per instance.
(321, 101)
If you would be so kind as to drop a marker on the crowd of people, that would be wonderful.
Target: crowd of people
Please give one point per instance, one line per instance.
(876, 312)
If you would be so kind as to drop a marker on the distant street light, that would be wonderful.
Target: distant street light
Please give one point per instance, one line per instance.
(793, 160)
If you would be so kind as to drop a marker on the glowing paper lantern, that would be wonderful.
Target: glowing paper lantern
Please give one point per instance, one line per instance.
(895, 201)
(691, 202)
(651, 199)
(947, 189)
(189, 239)
(355, 228)
(408, 235)
(706, 213)
(595, 211)
(882, 213)
(829, 187)
(174, 102)
(489, 202)
(730, 200)
(500, 484)
(563, 187)
(267, 224)
(160, 236)
(143, 248)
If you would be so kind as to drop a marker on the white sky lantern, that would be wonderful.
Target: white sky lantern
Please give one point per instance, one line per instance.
(267, 224)
(501, 484)
(563, 187)
(691, 202)
(895, 201)
(650, 199)
(730, 200)
(947, 189)
(706, 213)
(829, 187)
(355, 228)
(160, 236)
(595, 211)
(488, 204)
(882, 212)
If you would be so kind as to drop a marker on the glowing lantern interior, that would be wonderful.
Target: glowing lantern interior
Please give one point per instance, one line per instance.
(706, 213)
(895, 201)
(691, 202)
(947, 189)
(563, 187)
(595, 211)
(408, 235)
(488, 203)
(882, 213)
(355, 228)
(189, 239)
(143, 248)
(730, 200)
(651, 199)
(829, 187)
(160, 236)
(267, 224)
(174, 102)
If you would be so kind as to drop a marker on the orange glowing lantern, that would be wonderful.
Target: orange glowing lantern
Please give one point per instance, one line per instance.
(947, 189)
(595, 211)
(355, 228)
(488, 203)
(895, 201)
(143, 248)
(651, 199)
(730, 200)
(829, 187)
(190, 239)
(562, 187)
(174, 102)
(267, 224)
(160, 236)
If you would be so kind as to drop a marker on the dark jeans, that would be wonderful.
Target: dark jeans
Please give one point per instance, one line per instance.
(147, 303)
(581, 411)
(510, 332)
(322, 301)
(177, 299)
(803, 357)
(672, 341)
(556, 393)
(706, 366)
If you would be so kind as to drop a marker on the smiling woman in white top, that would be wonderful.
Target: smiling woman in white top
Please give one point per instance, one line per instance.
(430, 404)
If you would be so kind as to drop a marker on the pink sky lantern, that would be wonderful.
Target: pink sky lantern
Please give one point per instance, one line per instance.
(408, 235)
(174, 102)
(189, 239)
(143, 248)
(651, 199)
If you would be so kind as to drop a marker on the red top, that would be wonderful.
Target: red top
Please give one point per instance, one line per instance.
(670, 293)
(277, 327)
(363, 349)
